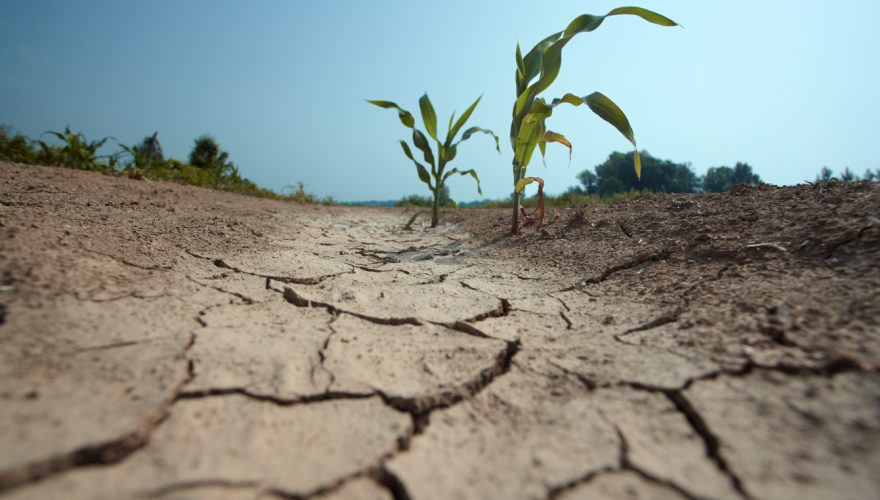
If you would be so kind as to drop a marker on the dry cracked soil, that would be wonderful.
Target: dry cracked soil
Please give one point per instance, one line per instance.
(170, 342)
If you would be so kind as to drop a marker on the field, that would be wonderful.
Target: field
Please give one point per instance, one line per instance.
(167, 341)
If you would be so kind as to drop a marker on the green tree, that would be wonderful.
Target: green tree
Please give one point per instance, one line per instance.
(848, 176)
(742, 173)
(718, 180)
(870, 176)
(661, 176)
(207, 155)
(609, 186)
(825, 175)
(589, 181)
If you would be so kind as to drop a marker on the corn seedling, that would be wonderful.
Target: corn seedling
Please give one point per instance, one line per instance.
(445, 152)
(530, 112)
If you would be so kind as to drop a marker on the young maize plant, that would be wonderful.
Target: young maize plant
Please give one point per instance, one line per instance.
(445, 152)
(530, 112)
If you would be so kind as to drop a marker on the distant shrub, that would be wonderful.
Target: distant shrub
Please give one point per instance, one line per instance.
(143, 162)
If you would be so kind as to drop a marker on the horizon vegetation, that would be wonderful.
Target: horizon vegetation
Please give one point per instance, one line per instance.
(608, 182)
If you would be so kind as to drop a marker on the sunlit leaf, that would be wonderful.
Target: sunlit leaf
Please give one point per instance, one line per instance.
(520, 65)
(638, 166)
(608, 111)
(461, 121)
(469, 132)
(532, 60)
(429, 117)
(549, 136)
(405, 117)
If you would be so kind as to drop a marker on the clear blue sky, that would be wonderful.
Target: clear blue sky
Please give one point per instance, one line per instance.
(786, 86)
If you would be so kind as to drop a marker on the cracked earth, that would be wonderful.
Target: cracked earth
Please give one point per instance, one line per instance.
(169, 342)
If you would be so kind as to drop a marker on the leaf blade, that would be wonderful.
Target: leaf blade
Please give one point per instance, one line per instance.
(421, 142)
(413, 218)
(423, 173)
(461, 121)
(469, 132)
(429, 116)
(406, 118)
(472, 172)
(550, 136)
(611, 113)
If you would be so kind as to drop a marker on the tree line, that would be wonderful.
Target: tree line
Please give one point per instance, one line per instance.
(616, 175)
(826, 174)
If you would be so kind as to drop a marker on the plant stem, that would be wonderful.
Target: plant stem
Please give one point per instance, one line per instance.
(517, 175)
(515, 219)
(436, 217)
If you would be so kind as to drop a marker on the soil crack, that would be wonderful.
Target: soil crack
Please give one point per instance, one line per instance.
(709, 439)
(641, 258)
(420, 406)
(626, 464)
(111, 452)
(298, 301)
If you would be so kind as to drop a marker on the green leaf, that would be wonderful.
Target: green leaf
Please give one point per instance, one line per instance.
(467, 134)
(521, 185)
(413, 218)
(472, 172)
(461, 121)
(529, 131)
(428, 116)
(520, 65)
(549, 136)
(450, 124)
(451, 202)
(647, 15)
(608, 111)
(543, 146)
(524, 102)
(551, 59)
(513, 133)
(421, 142)
(451, 151)
(405, 117)
(423, 173)
(638, 165)
(63, 138)
(532, 61)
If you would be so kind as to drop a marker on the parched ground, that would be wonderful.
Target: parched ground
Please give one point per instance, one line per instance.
(171, 342)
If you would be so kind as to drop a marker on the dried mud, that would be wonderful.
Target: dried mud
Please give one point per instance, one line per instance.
(171, 342)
